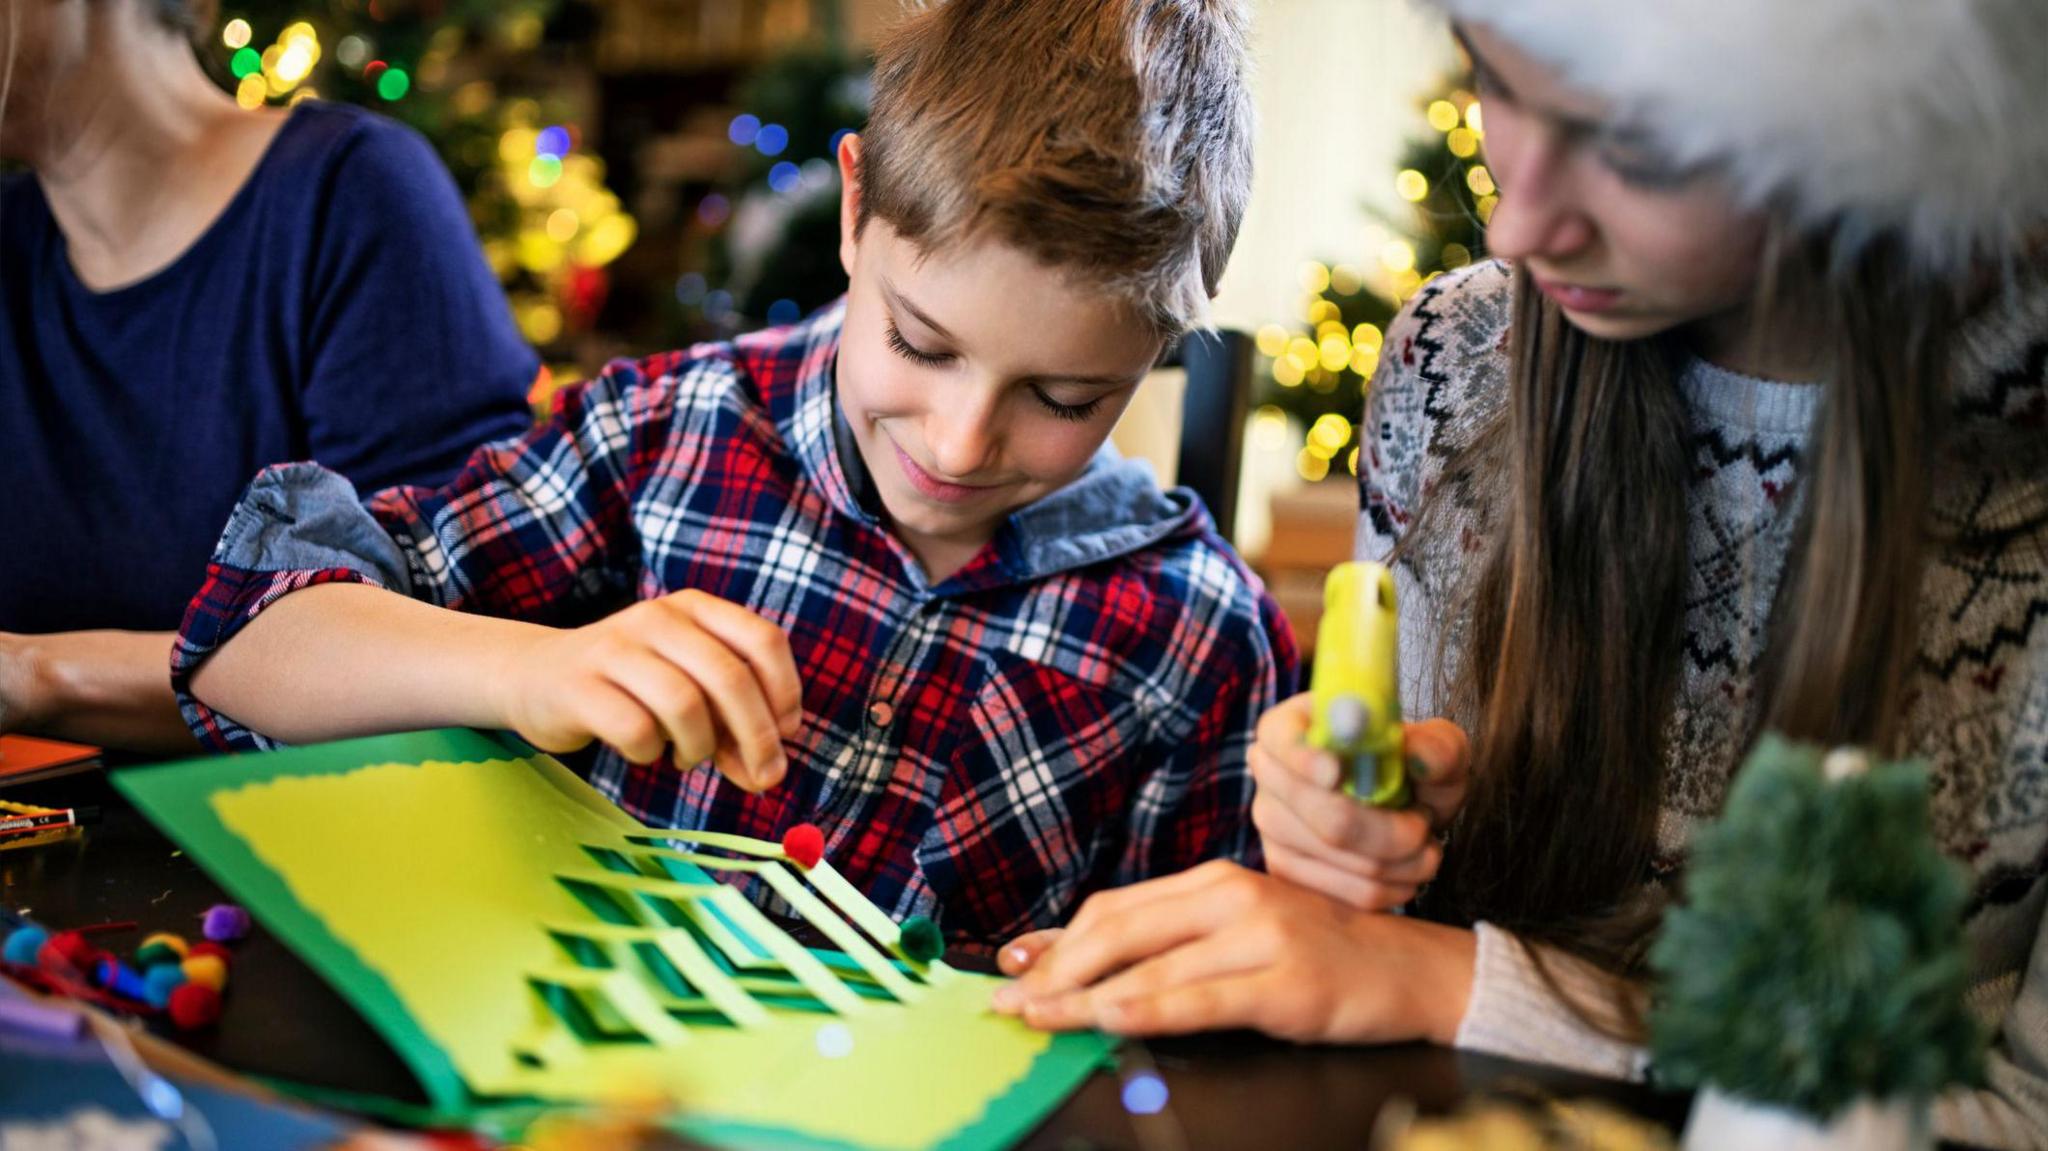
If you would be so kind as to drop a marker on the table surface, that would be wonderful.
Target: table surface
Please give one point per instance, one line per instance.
(1226, 1091)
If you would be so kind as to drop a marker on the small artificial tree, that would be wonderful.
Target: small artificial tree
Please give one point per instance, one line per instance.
(1818, 960)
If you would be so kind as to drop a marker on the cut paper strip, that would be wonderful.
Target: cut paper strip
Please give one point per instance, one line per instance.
(520, 940)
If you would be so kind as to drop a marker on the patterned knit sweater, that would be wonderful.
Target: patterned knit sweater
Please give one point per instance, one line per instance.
(1979, 695)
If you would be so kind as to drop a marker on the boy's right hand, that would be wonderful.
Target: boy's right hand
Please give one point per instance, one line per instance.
(1322, 838)
(691, 672)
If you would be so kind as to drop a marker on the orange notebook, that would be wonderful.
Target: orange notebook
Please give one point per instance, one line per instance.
(25, 759)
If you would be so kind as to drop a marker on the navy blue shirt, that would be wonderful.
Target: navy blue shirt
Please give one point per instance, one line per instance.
(338, 310)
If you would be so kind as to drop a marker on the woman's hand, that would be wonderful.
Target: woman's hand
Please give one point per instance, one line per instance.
(24, 683)
(691, 672)
(1224, 947)
(1322, 838)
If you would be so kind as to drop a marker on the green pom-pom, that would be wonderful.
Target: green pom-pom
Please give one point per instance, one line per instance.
(921, 940)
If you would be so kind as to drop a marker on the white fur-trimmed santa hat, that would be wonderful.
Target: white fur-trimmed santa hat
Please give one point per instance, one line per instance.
(1923, 119)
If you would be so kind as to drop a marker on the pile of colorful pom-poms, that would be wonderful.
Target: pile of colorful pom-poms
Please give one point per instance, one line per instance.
(168, 976)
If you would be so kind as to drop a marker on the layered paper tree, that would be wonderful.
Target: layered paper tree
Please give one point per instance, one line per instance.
(518, 938)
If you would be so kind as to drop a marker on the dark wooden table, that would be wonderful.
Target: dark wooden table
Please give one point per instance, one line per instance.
(1226, 1092)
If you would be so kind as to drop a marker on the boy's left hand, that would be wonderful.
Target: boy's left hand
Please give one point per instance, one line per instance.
(1224, 947)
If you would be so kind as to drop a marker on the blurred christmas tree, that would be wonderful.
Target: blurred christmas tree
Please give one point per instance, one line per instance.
(1316, 372)
(547, 221)
(773, 227)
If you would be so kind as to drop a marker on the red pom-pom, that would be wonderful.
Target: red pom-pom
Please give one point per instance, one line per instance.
(194, 1005)
(213, 949)
(804, 844)
(67, 953)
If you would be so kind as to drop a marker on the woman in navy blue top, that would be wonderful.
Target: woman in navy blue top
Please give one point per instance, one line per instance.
(188, 292)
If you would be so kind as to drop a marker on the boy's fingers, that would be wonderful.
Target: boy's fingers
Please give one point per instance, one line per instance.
(766, 650)
(735, 695)
(663, 691)
(618, 719)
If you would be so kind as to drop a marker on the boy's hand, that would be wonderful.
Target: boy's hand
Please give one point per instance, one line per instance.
(1322, 838)
(691, 672)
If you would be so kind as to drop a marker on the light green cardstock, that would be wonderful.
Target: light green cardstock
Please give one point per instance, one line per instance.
(519, 939)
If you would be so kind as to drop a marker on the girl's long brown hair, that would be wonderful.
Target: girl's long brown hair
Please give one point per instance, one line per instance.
(1572, 654)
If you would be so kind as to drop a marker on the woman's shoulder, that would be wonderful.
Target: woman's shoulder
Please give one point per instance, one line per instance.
(1442, 379)
(1450, 340)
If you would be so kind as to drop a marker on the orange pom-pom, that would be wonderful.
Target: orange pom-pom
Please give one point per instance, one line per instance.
(804, 844)
(194, 1005)
(206, 969)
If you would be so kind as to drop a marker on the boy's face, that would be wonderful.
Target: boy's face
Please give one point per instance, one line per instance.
(976, 380)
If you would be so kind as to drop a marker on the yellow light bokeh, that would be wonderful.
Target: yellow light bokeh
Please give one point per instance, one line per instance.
(1346, 280)
(1368, 336)
(252, 91)
(1479, 180)
(293, 63)
(562, 225)
(1397, 256)
(1443, 115)
(1412, 185)
(1336, 352)
(1272, 341)
(1304, 353)
(1455, 256)
(1365, 361)
(302, 95)
(1323, 311)
(1474, 121)
(1269, 428)
(1351, 462)
(1311, 466)
(1330, 433)
(1287, 373)
(1463, 144)
(236, 33)
(1315, 278)
(1485, 208)
(516, 146)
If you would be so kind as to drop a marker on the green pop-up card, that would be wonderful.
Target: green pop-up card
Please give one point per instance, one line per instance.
(518, 940)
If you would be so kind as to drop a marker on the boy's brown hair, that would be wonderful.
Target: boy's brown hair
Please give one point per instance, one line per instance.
(1108, 138)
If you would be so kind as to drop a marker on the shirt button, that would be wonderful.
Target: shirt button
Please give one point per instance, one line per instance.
(880, 714)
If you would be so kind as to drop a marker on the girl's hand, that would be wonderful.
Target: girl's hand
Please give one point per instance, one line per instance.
(1224, 947)
(688, 672)
(1321, 838)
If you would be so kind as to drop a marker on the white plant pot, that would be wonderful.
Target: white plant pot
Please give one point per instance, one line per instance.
(1724, 1123)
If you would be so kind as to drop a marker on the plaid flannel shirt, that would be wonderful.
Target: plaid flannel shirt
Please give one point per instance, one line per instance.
(1070, 711)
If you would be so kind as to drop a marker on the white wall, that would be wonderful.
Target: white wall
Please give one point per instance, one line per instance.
(1338, 84)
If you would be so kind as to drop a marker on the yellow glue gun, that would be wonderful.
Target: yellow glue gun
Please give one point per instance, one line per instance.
(1356, 686)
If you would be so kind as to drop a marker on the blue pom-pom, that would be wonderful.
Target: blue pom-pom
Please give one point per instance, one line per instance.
(123, 980)
(162, 979)
(22, 945)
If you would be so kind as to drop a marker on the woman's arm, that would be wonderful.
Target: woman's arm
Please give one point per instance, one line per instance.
(110, 688)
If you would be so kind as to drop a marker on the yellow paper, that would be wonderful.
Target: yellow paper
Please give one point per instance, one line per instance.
(447, 880)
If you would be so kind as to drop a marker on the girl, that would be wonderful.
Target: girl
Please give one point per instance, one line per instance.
(1744, 435)
(190, 291)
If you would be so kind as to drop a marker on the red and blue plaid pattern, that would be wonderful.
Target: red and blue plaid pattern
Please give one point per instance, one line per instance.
(1069, 712)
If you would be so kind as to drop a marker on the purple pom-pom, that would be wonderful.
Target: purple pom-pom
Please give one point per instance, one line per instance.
(225, 923)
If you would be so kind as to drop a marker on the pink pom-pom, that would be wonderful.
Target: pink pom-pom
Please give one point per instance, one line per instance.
(804, 844)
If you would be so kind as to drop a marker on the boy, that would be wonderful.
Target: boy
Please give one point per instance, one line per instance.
(881, 557)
